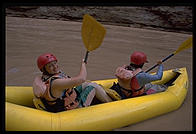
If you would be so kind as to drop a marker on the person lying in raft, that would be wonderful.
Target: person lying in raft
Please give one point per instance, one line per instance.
(132, 81)
(55, 91)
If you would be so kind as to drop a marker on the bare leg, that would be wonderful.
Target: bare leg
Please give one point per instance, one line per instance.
(100, 92)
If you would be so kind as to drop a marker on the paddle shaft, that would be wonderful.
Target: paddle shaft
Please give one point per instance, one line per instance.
(169, 56)
(86, 57)
(186, 44)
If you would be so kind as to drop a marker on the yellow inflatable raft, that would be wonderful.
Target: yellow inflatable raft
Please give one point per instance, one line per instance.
(21, 114)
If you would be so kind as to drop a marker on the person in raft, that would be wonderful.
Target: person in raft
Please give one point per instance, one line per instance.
(132, 81)
(55, 91)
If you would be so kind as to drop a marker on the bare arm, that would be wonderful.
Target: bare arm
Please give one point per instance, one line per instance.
(62, 84)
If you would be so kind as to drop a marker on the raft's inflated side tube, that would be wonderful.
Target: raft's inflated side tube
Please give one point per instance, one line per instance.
(20, 95)
(106, 116)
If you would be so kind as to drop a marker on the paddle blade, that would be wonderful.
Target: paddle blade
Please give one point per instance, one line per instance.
(186, 44)
(92, 33)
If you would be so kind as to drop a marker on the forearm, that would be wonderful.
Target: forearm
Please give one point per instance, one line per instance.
(160, 71)
(83, 73)
(62, 84)
(81, 77)
(144, 78)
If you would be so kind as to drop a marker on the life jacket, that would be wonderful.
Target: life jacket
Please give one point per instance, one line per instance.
(128, 75)
(137, 89)
(42, 90)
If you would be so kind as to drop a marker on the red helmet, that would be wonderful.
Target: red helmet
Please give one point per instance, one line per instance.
(44, 59)
(138, 58)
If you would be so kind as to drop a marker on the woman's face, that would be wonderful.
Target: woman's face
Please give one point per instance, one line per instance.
(52, 67)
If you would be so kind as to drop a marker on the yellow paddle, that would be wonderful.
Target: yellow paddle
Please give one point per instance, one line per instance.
(92, 34)
(186, 44)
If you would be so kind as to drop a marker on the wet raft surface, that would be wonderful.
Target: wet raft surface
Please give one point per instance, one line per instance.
(27, 38)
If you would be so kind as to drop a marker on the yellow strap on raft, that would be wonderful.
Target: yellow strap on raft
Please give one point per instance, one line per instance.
(111, 93)
(38, 104)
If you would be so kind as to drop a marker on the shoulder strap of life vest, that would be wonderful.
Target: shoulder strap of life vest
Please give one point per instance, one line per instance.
(42, 91)
(60, 75)
(125, 74)
(134, 82)
(136, 88)
(136, 71)
(69, 97)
